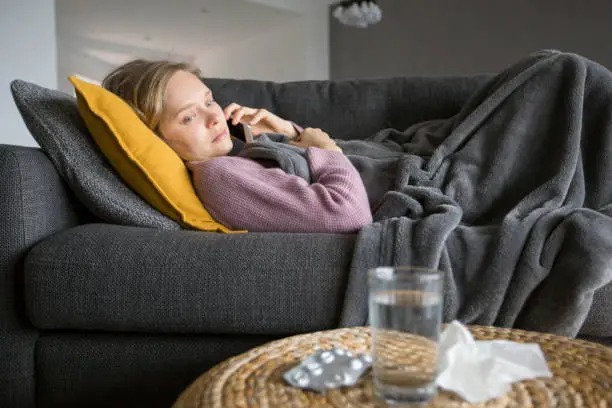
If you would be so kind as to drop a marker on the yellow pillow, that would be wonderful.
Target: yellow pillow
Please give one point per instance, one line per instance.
(141, 158)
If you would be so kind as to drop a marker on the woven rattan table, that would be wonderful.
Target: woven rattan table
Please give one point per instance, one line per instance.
(582, 375)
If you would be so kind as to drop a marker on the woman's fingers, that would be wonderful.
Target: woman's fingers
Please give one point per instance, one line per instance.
(236, 112)
(237, 115)
(240, 112)
(298, 144)
(259, 115)
(229, 110)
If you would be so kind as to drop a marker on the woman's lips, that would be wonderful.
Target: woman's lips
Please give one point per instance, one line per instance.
(220, 136)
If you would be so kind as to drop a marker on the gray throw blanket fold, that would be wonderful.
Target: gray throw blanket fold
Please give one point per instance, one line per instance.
(272, 149)
(511, 198)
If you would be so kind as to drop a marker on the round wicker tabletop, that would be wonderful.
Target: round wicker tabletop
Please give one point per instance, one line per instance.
(582, 375)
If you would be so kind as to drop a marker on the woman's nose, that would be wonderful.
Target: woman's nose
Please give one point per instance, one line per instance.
(212, 120)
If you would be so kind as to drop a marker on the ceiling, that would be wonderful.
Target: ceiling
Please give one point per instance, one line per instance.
(181, 27)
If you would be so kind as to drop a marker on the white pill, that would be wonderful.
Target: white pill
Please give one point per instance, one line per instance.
(356, 364)
(312, 365)
(327, 357)
(317, 371)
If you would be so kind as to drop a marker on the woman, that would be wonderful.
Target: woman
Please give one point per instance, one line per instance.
(241, 193)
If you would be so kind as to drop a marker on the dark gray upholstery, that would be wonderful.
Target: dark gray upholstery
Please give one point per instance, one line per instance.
(120, 280)
(352, 109)
(117, 316)
(55, 123)
(600, 315)
(34, 204)
(606, 341)
(92, 370)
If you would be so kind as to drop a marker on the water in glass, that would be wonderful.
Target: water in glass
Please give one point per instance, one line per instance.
(405, 328)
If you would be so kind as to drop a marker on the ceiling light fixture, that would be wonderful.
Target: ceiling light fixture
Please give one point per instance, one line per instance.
(357, 13)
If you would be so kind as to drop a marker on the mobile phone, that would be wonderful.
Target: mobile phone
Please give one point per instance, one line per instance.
(248, 132)
(242, 131)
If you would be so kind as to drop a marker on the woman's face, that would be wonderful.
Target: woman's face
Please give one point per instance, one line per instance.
(192, 123)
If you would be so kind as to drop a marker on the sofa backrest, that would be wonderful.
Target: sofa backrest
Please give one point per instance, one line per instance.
(351, 109)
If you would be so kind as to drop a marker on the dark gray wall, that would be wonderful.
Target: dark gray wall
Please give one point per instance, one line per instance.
(447, 37)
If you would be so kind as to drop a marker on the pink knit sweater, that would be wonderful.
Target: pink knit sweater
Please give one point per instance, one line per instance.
(242, 194)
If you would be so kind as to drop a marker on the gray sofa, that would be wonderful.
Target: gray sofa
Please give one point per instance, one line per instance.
(95, 314)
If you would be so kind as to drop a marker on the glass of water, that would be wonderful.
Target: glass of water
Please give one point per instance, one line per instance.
(405, 305)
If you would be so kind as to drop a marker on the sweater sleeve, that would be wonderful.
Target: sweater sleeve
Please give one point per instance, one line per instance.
(242, 194)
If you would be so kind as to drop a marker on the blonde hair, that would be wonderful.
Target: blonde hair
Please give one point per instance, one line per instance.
(142, 84)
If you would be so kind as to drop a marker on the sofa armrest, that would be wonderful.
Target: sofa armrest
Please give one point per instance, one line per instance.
(34, 203)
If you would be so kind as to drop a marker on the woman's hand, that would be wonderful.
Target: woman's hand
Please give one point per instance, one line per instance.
(315, 138)
(261, 120)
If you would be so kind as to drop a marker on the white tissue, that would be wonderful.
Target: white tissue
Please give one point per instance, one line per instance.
(481, 370)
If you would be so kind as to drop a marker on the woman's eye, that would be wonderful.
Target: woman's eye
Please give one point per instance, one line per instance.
(188, 119)
(210, 102)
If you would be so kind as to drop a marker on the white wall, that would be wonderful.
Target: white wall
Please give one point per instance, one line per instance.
(297, 51)
(28, 49)
(316, 33)
(294, 51)
(94, 59)
(71, 60)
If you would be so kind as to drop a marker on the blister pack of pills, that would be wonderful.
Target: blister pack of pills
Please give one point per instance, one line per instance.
(328, 369)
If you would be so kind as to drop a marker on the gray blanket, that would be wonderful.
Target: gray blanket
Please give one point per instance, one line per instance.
(511, 198)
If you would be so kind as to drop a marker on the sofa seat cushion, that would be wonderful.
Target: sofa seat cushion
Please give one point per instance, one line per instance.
(116, 278)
